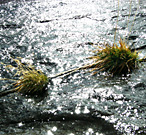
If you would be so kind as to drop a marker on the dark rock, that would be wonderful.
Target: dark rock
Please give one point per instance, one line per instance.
(140, 85)
(13, 26)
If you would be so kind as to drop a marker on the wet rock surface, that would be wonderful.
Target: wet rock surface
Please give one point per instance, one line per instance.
(79, 103)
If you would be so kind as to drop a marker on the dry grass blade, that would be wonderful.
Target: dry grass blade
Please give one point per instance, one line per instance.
(30, 81)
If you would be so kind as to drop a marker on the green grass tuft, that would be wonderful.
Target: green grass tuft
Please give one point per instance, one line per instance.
(30, 81)
(115, 59)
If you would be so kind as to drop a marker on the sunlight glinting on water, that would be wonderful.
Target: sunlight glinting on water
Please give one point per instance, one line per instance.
(59, 44)
(49, 132)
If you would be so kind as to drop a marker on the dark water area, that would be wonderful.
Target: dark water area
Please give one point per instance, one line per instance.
(4, 1)
(53, 35)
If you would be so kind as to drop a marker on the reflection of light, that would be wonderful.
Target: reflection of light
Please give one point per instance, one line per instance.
(23, 60)
(59, 108)
(77, 111)
(90, 131)
(49, 132)
(119, 102)
(86, 110)
(71, 134)
(29, 100)
(141, 55)
(20, 124)
(54, 129)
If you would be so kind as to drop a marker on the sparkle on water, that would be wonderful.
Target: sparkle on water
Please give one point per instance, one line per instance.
(59, 44)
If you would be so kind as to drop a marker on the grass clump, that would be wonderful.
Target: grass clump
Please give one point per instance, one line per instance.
(30, 81)
(115, 59)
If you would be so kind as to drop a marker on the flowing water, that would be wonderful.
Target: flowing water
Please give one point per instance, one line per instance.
(53, 35)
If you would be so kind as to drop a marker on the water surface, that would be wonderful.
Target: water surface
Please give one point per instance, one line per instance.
(53, 36)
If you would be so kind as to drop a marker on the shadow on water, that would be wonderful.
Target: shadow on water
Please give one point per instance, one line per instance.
(61, 127)
(53, 35)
